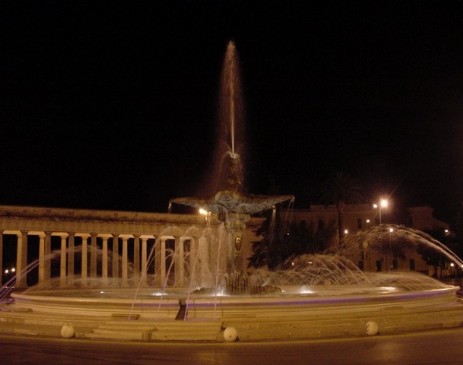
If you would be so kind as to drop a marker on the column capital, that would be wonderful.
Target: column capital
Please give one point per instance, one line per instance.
(105, 235)
(83, 235)
(60, 234)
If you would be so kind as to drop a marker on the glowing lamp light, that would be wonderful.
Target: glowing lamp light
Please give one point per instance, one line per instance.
(158, 294)
(391, 230)
(305, 290)
(202, 211)
(9, 271)
(383, 203)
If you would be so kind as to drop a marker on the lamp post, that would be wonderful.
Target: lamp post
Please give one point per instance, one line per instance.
(383, 203)
(365, 248)
(206, 214)
(452, 265)
(390, 246)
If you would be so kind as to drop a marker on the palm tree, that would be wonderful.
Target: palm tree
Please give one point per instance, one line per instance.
(340, 190)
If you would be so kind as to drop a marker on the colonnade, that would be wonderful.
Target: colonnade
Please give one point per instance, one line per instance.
(100, 257)
(108, 245)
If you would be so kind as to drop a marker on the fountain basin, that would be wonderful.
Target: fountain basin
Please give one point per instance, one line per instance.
(329, 312)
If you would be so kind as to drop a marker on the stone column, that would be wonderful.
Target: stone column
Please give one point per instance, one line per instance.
(144, 260)
(62, 265)
(136, 259)
(84, 258)
(179, 262)
(124, 260)
(71, 252)
(203, 260)
(93, 256)
(1, 258)
(160, 262)
(47, 256)
(193, 259)
(104, 259)
(21, 260)
(115, 255)
(44, 257)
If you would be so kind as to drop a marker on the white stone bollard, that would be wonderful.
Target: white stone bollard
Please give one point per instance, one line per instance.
(67, 331)
(371, 328)
(230, 334)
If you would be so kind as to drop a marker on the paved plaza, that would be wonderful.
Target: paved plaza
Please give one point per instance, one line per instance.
(424, 348)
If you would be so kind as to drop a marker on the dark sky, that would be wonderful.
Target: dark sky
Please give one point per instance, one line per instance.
(112, 105)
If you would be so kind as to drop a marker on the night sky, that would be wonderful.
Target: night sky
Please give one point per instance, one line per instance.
(113, 105)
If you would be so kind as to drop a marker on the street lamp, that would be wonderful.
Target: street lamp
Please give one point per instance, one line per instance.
(206, 214)
(383, 203)
(452, 265)
(390, 247)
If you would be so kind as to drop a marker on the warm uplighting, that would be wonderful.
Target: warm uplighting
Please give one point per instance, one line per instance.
(368, 221)
(202, 211)
(346, 231)
(391, 230)
(206, 214)
(305, 290)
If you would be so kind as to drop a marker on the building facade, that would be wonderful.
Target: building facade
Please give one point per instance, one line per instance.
(159, 248)
(131, 247)
(382, 255)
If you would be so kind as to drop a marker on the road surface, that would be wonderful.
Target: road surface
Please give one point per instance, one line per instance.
(425, 348)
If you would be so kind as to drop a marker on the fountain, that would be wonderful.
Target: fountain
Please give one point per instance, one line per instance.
(229, 202)
(315, 296)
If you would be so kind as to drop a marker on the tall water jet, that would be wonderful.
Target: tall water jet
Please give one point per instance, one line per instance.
(228, 170)
(229, 201)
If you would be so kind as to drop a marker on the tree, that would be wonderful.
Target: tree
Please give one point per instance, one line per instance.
(282, 240)
(341, 190)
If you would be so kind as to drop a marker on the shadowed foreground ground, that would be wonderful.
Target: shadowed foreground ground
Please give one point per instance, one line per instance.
(434, 347)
